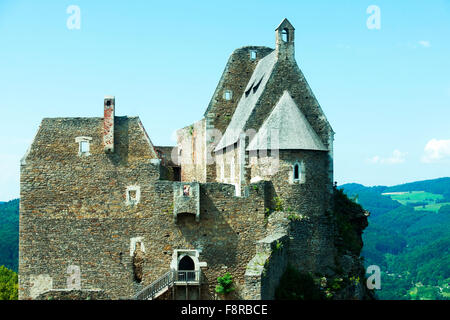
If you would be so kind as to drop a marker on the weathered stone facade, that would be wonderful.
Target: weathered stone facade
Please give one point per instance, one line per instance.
(105, 214)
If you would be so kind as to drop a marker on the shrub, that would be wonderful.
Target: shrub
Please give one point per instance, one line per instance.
(225, 284)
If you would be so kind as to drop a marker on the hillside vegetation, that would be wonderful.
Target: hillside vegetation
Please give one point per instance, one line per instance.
(9, 234)
(408, 237)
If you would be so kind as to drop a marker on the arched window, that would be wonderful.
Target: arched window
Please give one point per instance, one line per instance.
(285, 35)
(186, 263)
(186, 268)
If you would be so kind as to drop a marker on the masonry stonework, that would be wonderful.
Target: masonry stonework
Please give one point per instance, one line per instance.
(114, 215)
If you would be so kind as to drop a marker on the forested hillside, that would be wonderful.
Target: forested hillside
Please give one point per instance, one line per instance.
(408, 237)
(9, 234)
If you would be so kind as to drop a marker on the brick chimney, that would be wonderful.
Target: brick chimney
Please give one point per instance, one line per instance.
(108, 124)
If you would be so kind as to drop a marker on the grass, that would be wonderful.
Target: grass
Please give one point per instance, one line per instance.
(421, 197)
(416, 196)
(432, 207)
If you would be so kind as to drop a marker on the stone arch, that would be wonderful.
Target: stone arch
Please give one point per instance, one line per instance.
(188, 258)
(186, 263)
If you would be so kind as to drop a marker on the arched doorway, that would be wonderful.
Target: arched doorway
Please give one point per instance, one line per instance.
(186, 267)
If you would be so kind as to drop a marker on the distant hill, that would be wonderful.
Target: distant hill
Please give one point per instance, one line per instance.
(408, 237)
(9, 234)
(437, 186)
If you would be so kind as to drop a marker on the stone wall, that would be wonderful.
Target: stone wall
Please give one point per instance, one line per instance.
(264, 271)
(192, 152)
(75, 213)
(73, 295)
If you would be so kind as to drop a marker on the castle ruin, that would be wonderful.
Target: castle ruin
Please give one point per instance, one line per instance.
(247, 190)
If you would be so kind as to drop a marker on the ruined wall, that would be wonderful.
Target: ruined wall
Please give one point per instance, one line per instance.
(270, 261)
(192, 152)
(227, 166)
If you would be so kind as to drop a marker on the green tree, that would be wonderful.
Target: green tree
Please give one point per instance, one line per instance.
(225, 284)
(8, 284)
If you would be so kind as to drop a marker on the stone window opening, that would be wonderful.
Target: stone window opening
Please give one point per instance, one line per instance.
(133, 195)
(138, 262)
(186, 190)
(253, 54)
(296, 172)
(186, 267)
(228, 94)
(285, 35)
(83, 146)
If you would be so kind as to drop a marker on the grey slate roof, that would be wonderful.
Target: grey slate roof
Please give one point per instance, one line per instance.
(248, 100)
(286, 128)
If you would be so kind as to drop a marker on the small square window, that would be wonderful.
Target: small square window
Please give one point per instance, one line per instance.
(186, 190)
(84, 146)
(227, 95)
(133, 195)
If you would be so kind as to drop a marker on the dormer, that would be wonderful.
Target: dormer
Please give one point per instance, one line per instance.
(284, 38)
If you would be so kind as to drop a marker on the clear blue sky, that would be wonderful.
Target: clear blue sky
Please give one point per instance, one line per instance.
(385, 91)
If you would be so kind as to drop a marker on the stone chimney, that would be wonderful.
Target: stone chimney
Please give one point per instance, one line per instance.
(108, 124)
(284, 35)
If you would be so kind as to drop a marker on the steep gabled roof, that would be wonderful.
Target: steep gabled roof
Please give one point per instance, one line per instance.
(248, 100)
(285, 24)
(286, 128)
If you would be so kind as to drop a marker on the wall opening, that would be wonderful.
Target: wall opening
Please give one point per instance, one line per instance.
(176, 173)
(133, 195)
(83, 145)
(285, 35)
(227, 95)
(186, 190)
(186, 263)
(138, 262)
(296, 172)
